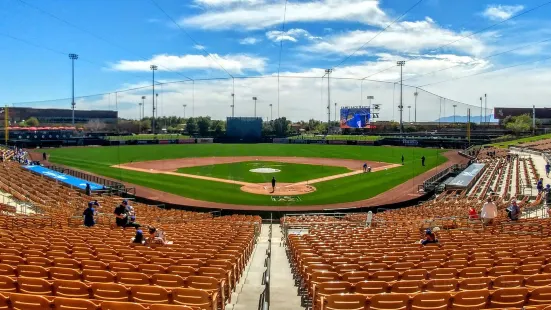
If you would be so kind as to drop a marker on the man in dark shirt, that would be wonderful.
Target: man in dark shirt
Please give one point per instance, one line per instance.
(88, 189)
(423, 161)
(273, 184)
(121, 214)
(89, 214)
(402, 160)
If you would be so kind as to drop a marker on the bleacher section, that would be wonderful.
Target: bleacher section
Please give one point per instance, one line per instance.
(48, 260)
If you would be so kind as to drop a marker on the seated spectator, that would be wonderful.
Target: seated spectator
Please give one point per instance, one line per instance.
(138, 238)
(156, 237)
(513, 211)
(121, 214)
(539, 185)
(430, 237)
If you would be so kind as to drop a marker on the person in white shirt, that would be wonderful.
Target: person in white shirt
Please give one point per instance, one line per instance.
(488, 212)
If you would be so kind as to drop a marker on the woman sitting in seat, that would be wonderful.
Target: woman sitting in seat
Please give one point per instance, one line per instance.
(156, 237)
(138, 238)
(430, 237)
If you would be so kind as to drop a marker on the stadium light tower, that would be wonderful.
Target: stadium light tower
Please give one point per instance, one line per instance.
(271, 112)
(254, 98)
(153, 69)
(409, 112)
(185, 105)
(401, 64)
(143, 107)
(416, 93)
(140, 117)
(328, 72)
(232, 104)
(73, 57)
(454, 106)
(480, 110)
(335, 112)
(486, 109)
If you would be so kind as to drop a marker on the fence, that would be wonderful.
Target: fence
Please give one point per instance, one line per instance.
(110, 186)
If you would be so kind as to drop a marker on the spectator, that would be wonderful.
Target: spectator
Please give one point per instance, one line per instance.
(89, 214)
(489, 212)
(121, 214)
(138, 238)
(513, 211)
(88, 189)
(473, 214)
(547, 169)
(430, 237)
(539, 186)
(156, 237)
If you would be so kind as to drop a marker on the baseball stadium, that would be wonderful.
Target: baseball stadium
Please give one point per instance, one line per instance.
(257, 154)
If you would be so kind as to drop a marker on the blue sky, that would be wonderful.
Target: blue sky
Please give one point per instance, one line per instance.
(117, 41)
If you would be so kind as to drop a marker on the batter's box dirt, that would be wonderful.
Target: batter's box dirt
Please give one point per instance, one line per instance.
(286, 198)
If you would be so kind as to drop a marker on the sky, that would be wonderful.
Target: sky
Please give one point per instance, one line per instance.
(455, 52)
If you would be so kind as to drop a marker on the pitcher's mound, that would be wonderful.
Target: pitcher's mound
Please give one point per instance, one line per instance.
(281, 189)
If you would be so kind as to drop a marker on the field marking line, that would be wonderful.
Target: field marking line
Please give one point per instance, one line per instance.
(343, 175)
(193, 176)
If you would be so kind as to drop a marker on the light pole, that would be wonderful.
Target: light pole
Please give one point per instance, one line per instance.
(416, 93)
(143, 107)
(480, 110)
(401, 64)
(485, 109)
(157, 106)
(140, 117)
(454, 106)
(271, 112)
(232, 104)
(185, 105)
(73, 57)
(335, 112)
(153, 68)
(328, 72)
(409, 112)
(254, 98)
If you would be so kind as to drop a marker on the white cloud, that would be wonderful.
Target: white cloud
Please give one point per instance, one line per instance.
(292, 35)
(199, 47)
(501, 12)
(249, 41)
(215, 3)
(271, 14)
(233, 63)
(404, 37)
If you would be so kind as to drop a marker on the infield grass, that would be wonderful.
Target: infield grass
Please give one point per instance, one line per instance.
(99, 160)
(289, 173)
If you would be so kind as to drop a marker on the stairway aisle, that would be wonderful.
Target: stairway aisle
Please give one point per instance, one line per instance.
(283, 290)
(250, 286)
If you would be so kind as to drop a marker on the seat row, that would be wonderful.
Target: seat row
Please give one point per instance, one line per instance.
(507, 298)
(17, 301)
(98, 292)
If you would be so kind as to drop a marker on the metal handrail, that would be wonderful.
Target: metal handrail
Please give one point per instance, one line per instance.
(264, 299)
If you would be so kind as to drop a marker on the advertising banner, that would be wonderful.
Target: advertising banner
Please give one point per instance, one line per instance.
(205, 140)
(365, 142)
(317, 142)
(355, 117)
(298, 141)
(280, 140)
(186, 141)
(340, 142)
(164, 142)
(143, 142)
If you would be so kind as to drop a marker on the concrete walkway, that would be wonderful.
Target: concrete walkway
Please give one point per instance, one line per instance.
(283, 292)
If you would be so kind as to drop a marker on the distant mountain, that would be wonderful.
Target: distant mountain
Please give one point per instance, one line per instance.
(464, 119)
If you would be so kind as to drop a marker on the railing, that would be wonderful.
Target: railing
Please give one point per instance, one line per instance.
(431, 182)
(264, 300)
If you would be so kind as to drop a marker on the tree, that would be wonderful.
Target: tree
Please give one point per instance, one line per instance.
(519, 124)
(191, 126)
(281, 126)
(95, 125)
(146, 125)
(32, 122)
(217, 127)
(203, 123)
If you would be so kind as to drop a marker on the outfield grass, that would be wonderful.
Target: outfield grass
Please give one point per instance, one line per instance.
(519, 141)
(148, 137)
(100, 159)
(290, 173)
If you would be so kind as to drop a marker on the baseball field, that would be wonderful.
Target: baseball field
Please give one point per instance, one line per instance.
(240, 174)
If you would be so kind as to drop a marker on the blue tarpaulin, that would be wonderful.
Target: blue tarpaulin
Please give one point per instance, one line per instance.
(67, 179)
